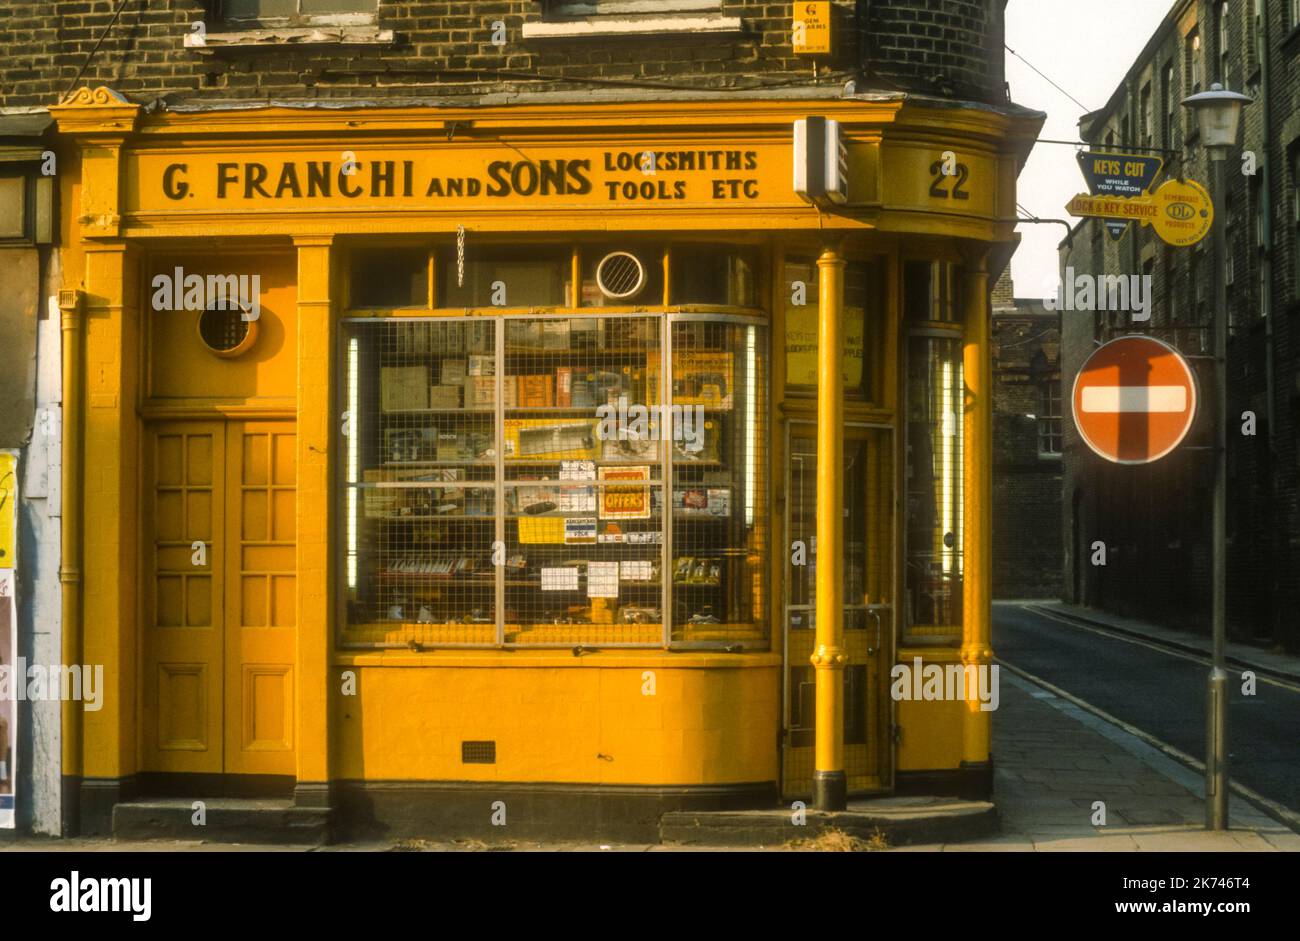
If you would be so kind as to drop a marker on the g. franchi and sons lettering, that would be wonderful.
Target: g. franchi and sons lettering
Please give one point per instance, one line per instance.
(614, 176)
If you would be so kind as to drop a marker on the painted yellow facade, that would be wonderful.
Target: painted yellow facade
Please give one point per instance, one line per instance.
(169, 446)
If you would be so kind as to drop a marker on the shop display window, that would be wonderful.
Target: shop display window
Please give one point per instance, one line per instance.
(554, 480)
(864, 328)
(390, 277)
(714, 274)
(504, 276)
(935, 441)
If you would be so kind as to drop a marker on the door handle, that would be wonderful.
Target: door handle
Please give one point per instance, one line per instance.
(875, 616)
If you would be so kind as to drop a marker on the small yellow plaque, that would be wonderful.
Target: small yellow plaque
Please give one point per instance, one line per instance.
(811, 29)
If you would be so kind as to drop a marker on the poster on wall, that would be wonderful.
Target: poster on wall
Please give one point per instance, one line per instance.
(8, 637)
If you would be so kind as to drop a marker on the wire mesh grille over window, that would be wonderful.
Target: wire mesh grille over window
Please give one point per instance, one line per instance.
(554, 481)
(223, 329)
(620, 275)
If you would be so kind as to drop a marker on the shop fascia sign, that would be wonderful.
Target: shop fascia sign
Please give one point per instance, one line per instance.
(474, 175)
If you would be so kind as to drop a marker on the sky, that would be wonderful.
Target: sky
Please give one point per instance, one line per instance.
(1086, 47)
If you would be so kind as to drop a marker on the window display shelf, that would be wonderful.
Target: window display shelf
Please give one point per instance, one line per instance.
(485, 412)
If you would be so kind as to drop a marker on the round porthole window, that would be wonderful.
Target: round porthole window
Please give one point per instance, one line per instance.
(620, 275)
(225, 332)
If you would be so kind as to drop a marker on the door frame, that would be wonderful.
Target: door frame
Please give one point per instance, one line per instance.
(151, 781)
(885, 644)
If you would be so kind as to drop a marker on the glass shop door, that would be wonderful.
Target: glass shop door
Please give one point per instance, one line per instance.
(868, 609)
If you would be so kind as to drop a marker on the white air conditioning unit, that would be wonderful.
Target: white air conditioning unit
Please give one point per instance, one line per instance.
(821, 161)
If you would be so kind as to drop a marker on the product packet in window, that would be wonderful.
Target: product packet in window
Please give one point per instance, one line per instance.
(555, 334)
(453, 372)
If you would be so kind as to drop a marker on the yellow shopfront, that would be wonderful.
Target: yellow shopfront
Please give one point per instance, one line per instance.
(474, 454)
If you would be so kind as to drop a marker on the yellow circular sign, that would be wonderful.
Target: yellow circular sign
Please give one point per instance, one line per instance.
(1184, 212)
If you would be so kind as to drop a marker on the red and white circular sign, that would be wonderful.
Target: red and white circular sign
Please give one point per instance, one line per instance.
(1134, 400)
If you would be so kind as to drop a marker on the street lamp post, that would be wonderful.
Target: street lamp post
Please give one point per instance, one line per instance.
(1218, 112)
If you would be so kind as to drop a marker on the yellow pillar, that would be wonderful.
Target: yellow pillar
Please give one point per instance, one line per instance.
(315, 511)
(977, 509)
(109, 535)
(828, 659)
(100, 455)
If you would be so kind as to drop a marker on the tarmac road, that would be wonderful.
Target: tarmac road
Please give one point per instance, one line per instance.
(1162, 692)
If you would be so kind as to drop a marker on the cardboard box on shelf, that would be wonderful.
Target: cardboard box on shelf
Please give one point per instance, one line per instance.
(626, 333)
(444, 396)
(555, 334)
(536, 391)
(409, 445)
(479, 336)
(480, 391)
(700, 377)
(564, 387)
(378, 502)
(523, 335)
(463, 445)
(584, 332)
(545, 439)
(583, 394)
(452, 372)
(482, 365)
(403, 388)
(447, 338)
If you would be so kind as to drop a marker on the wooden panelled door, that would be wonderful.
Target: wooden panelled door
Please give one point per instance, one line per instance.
(219, 612)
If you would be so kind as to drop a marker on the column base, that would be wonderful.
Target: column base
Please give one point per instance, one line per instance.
(830, 790)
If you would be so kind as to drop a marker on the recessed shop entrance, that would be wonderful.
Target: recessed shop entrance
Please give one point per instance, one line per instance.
(868, 609)
(218, 601)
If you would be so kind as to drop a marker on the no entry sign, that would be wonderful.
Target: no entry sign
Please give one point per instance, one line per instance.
(1134, 400)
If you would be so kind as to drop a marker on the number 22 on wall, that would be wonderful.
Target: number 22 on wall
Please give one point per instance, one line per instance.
(947, 168)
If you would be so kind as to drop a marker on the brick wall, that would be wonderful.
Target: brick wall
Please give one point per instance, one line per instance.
(1027, 542)
(950, 47)
(1155, 520)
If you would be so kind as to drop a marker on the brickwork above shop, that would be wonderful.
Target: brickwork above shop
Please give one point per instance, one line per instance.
(428, 49)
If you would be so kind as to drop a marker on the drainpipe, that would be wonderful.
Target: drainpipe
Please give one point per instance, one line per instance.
(70, 302)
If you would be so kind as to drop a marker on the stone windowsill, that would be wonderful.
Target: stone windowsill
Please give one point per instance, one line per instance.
(629, 26)
(294, 36)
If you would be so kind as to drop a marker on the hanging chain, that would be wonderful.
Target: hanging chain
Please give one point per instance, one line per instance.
(460, 256)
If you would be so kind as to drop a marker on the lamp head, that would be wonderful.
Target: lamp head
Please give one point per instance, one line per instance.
(1218, 114)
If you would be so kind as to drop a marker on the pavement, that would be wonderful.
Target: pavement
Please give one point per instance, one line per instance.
(1055, 761)
(1057, 766)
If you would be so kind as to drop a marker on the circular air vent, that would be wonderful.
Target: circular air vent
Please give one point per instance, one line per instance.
(225, 332)
(620, 275)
